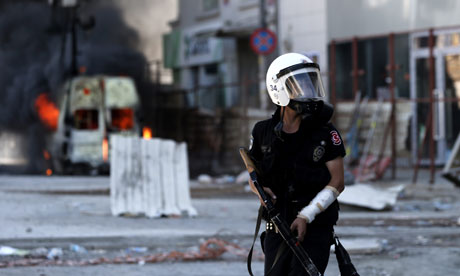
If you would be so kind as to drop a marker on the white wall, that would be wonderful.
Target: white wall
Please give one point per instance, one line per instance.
(370, 17)
(303, 28)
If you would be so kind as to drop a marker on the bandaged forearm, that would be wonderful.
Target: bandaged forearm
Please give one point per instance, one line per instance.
(320, 203)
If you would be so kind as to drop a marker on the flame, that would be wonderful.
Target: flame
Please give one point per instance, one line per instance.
(46, 155)
(82, 69)
(123, 118)
(147, 133)
(105, 149)
(47, 111)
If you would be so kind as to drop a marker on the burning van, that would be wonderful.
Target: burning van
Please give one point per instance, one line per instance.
(91, 110)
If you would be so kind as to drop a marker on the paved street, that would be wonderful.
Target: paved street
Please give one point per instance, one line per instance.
(421, 234)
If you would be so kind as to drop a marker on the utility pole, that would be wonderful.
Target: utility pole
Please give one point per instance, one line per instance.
(262, 61)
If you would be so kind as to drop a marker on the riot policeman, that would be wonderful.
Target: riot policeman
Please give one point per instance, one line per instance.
(299, 156)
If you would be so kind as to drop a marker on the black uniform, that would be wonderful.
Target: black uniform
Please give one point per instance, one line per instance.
(293, 167)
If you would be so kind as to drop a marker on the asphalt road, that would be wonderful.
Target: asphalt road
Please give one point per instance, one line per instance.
(419, 236)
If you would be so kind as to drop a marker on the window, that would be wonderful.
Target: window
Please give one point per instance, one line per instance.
(402, 79)
(122, 118)
(86, 119)
(209, 5)
(373, 60)
(211, 69)
(343, 69)
(372, 64)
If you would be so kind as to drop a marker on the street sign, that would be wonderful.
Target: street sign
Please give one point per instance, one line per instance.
(263, 41)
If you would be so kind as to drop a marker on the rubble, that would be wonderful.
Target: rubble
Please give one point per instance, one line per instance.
(78, 249)
(39, 252)
(225, 179)
(370, 196)
(11, 251)
(362, 245)
(210, 249)
(242, 178)
(55, 253)
(137, 250)
(204, 179)
(441, 206)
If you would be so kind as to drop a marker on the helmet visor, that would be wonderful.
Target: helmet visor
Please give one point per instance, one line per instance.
(304, 84)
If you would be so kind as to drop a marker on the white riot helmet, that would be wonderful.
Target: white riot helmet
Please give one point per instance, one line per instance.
(294, 76)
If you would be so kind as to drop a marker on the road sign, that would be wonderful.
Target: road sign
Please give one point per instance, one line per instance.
(263, 41)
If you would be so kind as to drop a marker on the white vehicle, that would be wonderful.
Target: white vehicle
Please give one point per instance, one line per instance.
(92, 109)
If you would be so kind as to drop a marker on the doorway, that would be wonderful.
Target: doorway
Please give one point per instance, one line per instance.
(446, 108)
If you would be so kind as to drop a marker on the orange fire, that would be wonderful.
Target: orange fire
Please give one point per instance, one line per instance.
(123, 118)
(46, 155)
(147, 133)
(105, 149)
(47, 111)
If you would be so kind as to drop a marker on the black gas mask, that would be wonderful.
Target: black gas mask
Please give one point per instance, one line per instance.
(313, 108)
(315, 111)
(307, 108)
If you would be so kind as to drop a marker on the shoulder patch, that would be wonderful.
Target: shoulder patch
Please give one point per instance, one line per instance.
(335, 138)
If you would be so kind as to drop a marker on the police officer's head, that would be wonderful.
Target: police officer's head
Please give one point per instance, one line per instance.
(294, 80)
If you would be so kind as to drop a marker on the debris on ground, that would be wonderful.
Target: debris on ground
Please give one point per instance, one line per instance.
(441, 206)
(210, 249)
(242, 178)
(421, 240)
(204, 179)
(39, 252)
(362, 245)
(54, 253)
(137, 250)
(11, 251)
(78, 249)
(371, 196)
(225, 179)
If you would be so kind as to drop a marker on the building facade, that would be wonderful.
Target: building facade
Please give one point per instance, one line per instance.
(210, 54)
(352, 41)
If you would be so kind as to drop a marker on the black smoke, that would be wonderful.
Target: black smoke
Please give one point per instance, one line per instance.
(35, 57)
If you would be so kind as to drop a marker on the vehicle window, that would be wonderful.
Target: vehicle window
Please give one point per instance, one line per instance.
(122, 118)
(86, 119)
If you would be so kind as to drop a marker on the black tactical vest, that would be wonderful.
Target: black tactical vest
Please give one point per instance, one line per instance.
(298, 183)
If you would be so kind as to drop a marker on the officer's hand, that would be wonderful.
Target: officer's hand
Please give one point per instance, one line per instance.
(268, 191)
(300, 226)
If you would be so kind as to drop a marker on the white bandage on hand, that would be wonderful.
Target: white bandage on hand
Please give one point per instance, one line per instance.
(320, 203)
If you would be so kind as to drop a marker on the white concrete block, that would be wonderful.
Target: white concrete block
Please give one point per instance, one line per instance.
(182, 180)
(149, 177)
(167, 148)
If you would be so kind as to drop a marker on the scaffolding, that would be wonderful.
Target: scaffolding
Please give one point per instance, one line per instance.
(392, 69)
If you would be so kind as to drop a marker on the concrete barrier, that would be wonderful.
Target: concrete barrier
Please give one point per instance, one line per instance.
(149, 177)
